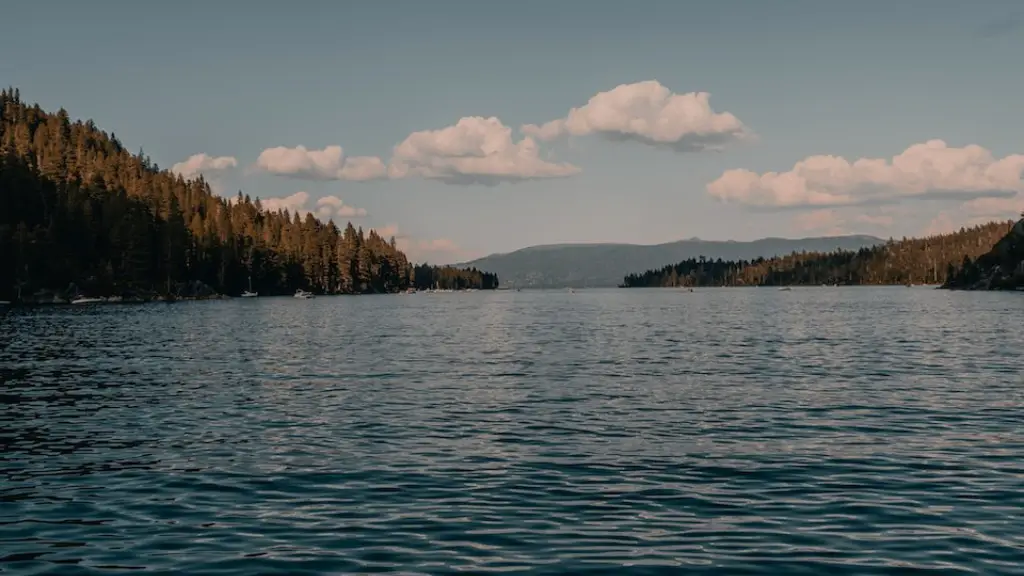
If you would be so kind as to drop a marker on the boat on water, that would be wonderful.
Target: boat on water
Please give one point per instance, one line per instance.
(300, 293)
(785, 289)
(249, 293)
(87, 300)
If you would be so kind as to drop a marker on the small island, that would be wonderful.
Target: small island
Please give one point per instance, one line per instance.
(83, 218)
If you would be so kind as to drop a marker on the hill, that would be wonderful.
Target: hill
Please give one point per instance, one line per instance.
(604, 265)
(929, 260)
(1001, 268)
(80, 215)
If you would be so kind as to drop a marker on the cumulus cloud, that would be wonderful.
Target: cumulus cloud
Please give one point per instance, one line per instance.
(326, 208)
(649, 113)
(330, 207)
(203, 164)
(475, 150)
(294, 203)
(327, 164)
(928, 170)
(422, 250)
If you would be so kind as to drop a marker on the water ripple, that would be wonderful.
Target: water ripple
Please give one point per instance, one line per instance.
(847, 431)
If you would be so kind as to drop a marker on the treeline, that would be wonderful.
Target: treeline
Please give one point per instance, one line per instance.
(929, 260)
(1001, 268)
(427, 277)
(81, 214)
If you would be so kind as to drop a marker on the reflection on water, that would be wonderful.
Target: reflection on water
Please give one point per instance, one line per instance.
(735, 431)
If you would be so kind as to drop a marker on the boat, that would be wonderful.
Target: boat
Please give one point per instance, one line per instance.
(86, 300)
(785, 289)
(300, 293)
(249, 293)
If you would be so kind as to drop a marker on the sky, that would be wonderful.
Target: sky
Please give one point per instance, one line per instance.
(466, 128)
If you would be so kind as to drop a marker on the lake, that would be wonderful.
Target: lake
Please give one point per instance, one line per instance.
(732, 431)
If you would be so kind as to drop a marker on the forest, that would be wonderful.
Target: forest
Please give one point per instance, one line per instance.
(930, 260)
(81, 215)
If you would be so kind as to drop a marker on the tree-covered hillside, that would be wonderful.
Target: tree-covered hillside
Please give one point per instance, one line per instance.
(908, 261)
(1001, 268)
(81, 214)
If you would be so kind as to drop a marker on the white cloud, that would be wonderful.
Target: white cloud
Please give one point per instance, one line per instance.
(387, 231)
(332, 206)
(928, 170)
(435, 250)
(326, 208)
(475, 150)
(327, 164)
(294, 203)
(649, 113)
(203, 164)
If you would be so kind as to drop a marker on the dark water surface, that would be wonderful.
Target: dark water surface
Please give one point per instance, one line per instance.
(732, 431)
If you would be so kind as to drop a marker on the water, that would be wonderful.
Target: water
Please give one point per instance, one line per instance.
(733, 431)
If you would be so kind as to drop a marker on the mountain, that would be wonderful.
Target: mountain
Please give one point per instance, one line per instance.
(604, 265)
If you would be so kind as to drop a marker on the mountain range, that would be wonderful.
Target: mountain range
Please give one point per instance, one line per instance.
(605, 265)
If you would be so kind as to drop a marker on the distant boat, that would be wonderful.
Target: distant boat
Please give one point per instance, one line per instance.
(249, 293)
(785, 289)
(300, 293)
(86, 300)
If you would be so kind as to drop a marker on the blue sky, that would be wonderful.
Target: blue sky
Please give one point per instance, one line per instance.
(866, 79)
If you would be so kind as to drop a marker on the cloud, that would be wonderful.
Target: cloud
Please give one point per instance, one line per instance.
(836, 222)
(928, 170)
(996, 207)
(387, 231)
(824, 221)
(333, 207)
(651, 114)
(327, 164)
(422, 250)
(203, 163)
(326, 208)
(475, 150)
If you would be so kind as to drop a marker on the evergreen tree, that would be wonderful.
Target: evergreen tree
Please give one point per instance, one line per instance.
(78, 212)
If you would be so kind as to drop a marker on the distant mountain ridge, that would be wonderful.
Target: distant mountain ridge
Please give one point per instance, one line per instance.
(604, 265)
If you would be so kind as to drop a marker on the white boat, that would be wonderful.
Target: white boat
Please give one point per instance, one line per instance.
(249, 293)
(86, 300)
(785, 289)
(300, 293)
